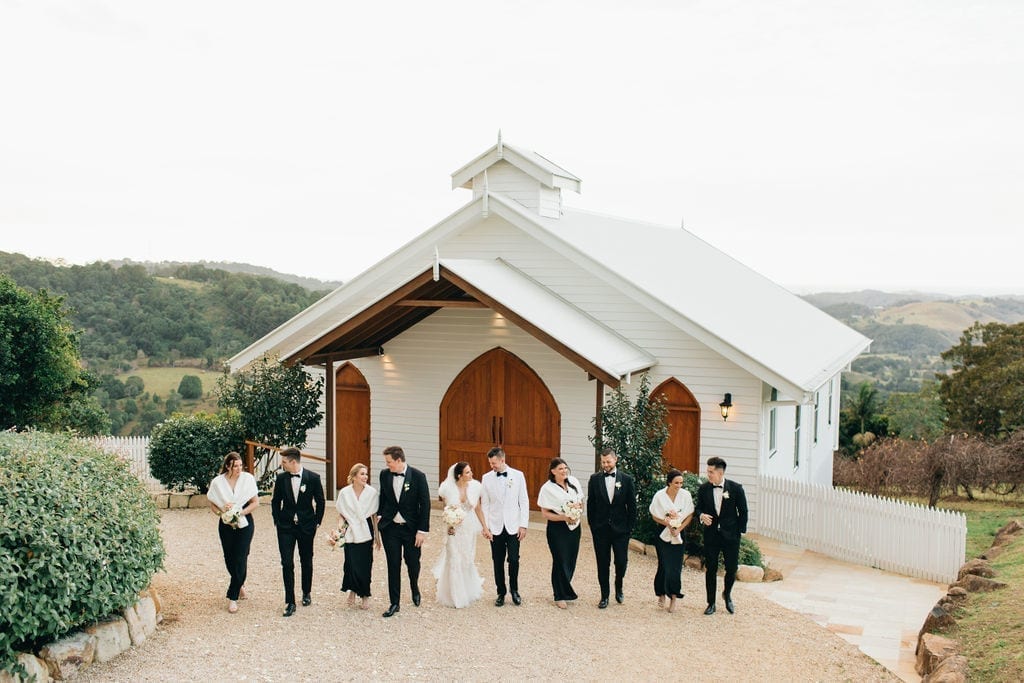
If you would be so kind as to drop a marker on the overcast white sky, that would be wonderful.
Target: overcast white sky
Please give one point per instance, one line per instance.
(830, 145)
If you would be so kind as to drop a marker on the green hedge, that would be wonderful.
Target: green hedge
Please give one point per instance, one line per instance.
(79, 538)
(187, 450)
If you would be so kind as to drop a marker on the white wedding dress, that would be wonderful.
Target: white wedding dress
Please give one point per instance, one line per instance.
(458, 581)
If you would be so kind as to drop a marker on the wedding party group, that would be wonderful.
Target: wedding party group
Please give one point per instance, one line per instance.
(396, 517)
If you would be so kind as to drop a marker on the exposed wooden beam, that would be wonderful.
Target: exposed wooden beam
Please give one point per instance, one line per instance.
(531, 329)
(441, 303)
(321, 358)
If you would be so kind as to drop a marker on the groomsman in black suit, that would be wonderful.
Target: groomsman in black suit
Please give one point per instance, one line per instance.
(611, 513)
(297, 508)
(404, 522)
(722, 506)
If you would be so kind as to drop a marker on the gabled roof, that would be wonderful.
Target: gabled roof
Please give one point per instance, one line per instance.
(762, 327)
(543, 170)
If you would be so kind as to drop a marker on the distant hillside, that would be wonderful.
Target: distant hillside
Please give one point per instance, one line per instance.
(910, 330)
(168, 267)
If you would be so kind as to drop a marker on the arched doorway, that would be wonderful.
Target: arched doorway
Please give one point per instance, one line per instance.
(498, 400)
(351, 422)
(682, 450)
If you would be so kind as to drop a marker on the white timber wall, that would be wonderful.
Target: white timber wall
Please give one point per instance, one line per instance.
(705, 373)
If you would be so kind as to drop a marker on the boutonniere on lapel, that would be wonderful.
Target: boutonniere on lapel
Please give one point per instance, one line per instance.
(618, 484)
(302, 489)
(405, 488)
(725, 495)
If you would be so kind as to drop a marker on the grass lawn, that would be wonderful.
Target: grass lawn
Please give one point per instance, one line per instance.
(162, 381)
(990, 628)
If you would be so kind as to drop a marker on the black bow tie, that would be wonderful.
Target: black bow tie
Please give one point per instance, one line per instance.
(609, 474)
(399, 474)
(502, 474)
(716, 486)
(296, 476)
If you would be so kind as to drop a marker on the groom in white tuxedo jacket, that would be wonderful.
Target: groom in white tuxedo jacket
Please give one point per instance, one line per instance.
(506, 508)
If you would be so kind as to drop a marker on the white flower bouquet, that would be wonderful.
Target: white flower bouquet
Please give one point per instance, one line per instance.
(336, 537)
(572, 509)
(231, 516)
(674, 520)
(452, 515)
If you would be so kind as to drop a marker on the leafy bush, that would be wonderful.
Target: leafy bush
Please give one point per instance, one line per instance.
(190, 387)
(186, 450)
(79, 538)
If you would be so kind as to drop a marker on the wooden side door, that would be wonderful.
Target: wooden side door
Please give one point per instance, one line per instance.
(682, 449)
(352, 422)
(497, 400)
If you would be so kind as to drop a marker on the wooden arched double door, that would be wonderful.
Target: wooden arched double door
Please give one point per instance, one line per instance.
(351, 422)
(498, 400)
(682, 449)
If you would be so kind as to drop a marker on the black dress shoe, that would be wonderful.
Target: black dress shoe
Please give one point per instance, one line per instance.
(416, 599)
(619, 597)
(392, 611)
(306, 600)
(500, 601)
(516, 598)
(603, 604)
(710, 609)
(729, 607)
(289, 609)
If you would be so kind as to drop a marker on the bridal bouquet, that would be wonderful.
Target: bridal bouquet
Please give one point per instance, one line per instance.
(336, 537)
(452, 515)
(231, 517)
(673, 519)
(572, 509)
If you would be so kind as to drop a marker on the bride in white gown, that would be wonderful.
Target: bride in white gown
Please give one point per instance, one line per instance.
(458, 581)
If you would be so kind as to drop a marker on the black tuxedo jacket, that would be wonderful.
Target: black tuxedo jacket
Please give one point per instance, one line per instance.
(733, 519)
(309, 508)
(414, 502)
(617, 516)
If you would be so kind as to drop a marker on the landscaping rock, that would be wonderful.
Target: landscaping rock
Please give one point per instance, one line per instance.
(161, 500)
(637, 546)
(992, 553)
(111, 638)
(35, 667)
(937, 620)
(932, 649)
(1009, 532)
(66, 656)
(978, 567)
(146, 610)
(694, 562)
(952, 669)
(749, 573)
(157, 604)
(178, 501)
(979, 584)
(135, 629)
(198, 501)
(772, 575)
(957, 593)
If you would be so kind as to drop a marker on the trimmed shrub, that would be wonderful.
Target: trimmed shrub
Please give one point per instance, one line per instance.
(186, 450)
(79, 538)
(190, 387)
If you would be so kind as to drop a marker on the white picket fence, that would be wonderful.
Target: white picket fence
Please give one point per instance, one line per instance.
(134, 450)
(905, 538)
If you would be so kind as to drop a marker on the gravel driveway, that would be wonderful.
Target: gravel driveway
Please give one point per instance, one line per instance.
(199, 640)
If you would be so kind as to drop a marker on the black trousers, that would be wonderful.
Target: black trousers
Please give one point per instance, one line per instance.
(564, 545)
(667, 580)
(505, 545)
(399, 540)
(605, 545)
(235, 543)
(730, 550)
(287, 538)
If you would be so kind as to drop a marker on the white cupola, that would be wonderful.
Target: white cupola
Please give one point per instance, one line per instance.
(521, 175)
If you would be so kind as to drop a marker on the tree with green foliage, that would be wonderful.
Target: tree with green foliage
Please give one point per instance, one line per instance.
(40, 369)
(278, 403)
(190, 387)
(919, 416)
(984, 391)
(861, 420)
(186, 450)
(637, 431)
